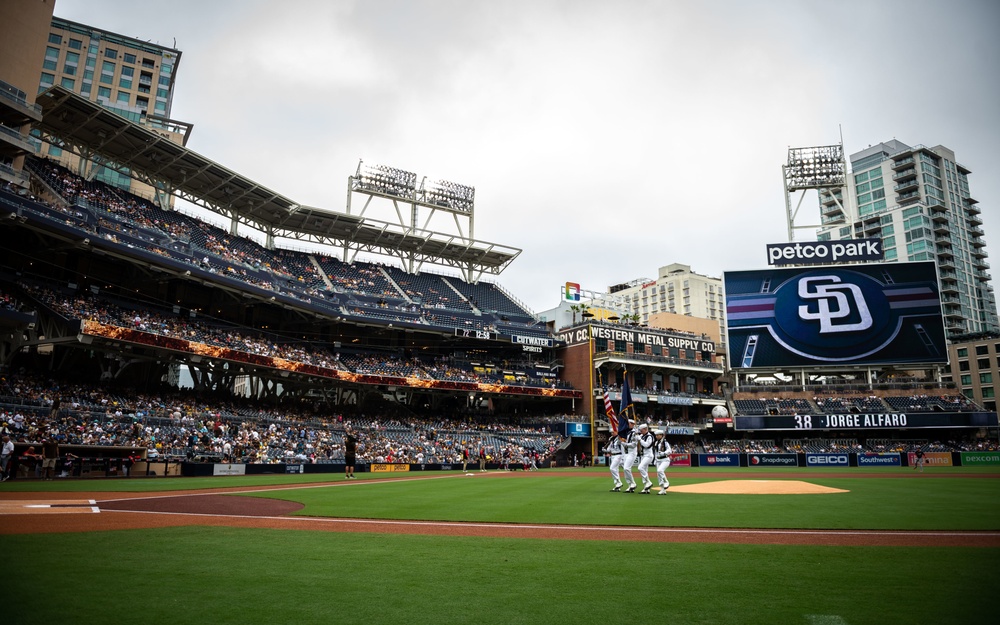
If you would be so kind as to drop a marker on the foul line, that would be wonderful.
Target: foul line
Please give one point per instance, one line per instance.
(573, 528)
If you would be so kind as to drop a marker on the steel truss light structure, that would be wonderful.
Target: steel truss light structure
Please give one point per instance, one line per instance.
(824, 169)
(399, 187)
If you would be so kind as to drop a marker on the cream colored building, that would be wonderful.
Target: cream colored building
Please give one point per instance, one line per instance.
(676, 290)
(24, 25)
(131, 77)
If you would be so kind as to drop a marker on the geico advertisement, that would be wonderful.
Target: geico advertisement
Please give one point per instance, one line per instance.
(827, 460)
(932, 459)
(389, 468)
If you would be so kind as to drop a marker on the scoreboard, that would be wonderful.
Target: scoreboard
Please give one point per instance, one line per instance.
(871, 421)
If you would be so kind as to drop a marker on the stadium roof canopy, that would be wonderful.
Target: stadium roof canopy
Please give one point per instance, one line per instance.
(94, 131)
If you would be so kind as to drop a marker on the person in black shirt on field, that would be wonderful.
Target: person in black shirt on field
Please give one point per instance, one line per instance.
(350, 454)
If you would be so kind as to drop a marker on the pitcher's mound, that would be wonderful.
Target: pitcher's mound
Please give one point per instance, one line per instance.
(756, 487)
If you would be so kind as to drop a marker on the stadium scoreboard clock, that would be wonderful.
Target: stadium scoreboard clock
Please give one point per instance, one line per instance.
(870, 421)
(476, 334)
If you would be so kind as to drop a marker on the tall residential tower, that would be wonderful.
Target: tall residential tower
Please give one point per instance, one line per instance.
(917, 200)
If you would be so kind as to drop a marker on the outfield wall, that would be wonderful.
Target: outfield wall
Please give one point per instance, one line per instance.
(722, 460)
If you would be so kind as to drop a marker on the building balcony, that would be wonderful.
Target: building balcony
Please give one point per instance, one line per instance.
(14, 107)
(979, 252)
(18, 140)
(906, 185)
(980, 264)
(976, 232)
(949, 287)
(906, 198)
(13, 176)
(983, 277)
(832, 211)
(905, 174)
(974, 221)
(977, 243)
(936, 205)
(945, 251)
(941, 227)
(946, 262)
(901, 163)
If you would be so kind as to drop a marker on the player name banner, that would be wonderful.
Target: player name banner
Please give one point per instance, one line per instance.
(870, 421)
(390, 468)
(932, 459)
(773, 460)
(884, 459)
(980, 458)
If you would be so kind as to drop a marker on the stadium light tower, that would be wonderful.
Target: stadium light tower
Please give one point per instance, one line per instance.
(823, 168)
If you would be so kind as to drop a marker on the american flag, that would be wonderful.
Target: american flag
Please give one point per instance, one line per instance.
(610, 411)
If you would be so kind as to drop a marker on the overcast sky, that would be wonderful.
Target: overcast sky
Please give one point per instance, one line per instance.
(604, 139)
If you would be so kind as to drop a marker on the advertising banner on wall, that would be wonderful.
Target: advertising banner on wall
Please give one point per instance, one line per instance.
(828, 460)
(932, 459)
(973, 458)
(680, 460)
(772, 460)
(884, 459)
(718, 460)
(823, 316)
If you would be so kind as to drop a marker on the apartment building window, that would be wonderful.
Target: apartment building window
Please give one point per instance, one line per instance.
(68, 83)
(129, 58)
(963, 365)
(988, 391)
(105, 92)
(983, 363)
(75, 44)
(982, 350)
(111, 53)
(966, 380)
(986, 378)
(51, 59)
(54, 38)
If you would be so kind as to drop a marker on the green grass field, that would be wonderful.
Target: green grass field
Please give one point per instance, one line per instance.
(229, 575)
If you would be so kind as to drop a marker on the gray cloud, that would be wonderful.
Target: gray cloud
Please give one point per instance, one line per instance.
(605, 139)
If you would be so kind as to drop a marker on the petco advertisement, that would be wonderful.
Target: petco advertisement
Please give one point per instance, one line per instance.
(772, 460)
(680, 460)
(880, 460)
(718, 460)
(828, 460)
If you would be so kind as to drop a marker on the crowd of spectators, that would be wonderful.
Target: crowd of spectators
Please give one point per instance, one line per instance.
(184, 425)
